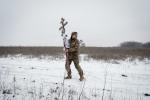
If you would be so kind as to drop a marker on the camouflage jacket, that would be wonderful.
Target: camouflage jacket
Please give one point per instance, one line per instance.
(73, 51)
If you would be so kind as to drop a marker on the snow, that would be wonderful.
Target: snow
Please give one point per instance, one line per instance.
(27, 78)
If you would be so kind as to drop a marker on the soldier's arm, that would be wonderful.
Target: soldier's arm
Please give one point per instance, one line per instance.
(75, 48)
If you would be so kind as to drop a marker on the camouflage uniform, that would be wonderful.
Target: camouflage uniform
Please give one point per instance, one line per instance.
(73, 55)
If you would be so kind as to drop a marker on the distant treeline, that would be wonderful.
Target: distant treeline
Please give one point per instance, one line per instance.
(134, 44)
(104, 53)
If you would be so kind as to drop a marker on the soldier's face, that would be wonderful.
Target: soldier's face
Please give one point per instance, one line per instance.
(74, 36)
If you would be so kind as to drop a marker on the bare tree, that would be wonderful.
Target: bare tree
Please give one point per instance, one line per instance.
(131, 44)
(146, 45)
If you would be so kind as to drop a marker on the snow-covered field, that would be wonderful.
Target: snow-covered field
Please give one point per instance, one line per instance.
(27, 78)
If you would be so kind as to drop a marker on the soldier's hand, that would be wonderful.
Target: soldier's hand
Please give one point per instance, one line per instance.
(66, 50)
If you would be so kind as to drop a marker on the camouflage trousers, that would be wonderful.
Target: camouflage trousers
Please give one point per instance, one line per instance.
(76, 64)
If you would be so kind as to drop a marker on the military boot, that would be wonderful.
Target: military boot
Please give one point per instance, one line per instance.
(81, 76)
(68, 77)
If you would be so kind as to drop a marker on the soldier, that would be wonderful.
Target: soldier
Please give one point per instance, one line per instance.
(73, 55)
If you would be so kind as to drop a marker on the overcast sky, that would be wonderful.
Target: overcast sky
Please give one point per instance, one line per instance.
(98, 22)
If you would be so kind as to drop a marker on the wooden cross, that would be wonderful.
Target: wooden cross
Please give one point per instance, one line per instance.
(62, 28)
